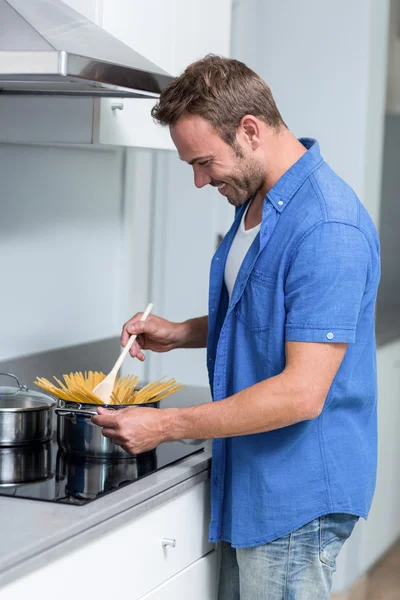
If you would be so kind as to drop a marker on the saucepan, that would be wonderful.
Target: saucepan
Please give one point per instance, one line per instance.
(77, 435)
(25, 415)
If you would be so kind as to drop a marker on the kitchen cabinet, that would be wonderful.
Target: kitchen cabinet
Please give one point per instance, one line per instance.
(383, 525)
(197, 582)
(170, 33)
(139, 556)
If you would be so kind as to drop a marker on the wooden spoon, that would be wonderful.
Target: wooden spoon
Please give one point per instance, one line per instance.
(103, 390)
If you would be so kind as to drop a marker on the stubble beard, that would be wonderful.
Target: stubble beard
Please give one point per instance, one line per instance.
(246, 183)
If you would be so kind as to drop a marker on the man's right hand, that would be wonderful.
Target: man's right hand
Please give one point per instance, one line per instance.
(155, 334)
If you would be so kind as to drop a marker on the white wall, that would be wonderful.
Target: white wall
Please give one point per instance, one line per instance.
(60, 247)
(185, 224)
(326, 65)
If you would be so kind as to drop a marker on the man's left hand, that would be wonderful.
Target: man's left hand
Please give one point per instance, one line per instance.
(136, 430)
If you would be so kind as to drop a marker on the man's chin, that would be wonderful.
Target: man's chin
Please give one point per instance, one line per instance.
(236, 202)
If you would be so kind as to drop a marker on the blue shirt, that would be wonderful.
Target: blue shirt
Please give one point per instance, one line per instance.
(311, 275)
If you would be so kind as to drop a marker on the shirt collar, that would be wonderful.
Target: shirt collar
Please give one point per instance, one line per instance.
(285, 188)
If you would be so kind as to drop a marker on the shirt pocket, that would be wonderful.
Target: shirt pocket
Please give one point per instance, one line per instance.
(255, 306)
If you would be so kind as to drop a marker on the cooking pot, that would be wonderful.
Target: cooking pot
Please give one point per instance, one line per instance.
(26, 464)
(25, 415)
(77, 435)
(88, 478)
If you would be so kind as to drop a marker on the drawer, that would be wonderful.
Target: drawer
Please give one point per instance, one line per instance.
(132, 559)
(199, 581)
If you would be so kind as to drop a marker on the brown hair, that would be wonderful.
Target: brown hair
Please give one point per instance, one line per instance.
(222, 91)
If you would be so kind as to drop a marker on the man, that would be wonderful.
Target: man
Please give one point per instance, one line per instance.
(290, 341)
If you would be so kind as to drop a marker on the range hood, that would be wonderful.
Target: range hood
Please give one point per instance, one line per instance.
(48, 48)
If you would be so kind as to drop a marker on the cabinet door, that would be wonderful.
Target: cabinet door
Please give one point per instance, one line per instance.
(383, 525)
(141, 554)
(202, 28)
(197, 582)
(171, 34)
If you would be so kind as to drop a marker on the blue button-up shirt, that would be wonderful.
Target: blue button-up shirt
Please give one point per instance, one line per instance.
(311, 275)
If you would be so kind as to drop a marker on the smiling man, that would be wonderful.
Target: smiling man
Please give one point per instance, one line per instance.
(290, 342)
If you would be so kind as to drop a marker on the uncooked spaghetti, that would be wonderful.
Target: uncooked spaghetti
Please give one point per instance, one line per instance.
(77, 387)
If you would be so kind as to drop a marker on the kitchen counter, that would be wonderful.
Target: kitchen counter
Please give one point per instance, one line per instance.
(33, 532)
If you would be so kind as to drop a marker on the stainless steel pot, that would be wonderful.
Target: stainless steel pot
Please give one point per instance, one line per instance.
(77, 435)
(21, 465)
(25, 415)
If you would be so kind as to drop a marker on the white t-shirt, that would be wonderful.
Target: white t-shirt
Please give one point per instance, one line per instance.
(238, 250)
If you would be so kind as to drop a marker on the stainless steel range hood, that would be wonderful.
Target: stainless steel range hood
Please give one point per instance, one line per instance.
(46, 47)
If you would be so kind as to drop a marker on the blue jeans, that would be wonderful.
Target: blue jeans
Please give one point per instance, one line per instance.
(298, 566)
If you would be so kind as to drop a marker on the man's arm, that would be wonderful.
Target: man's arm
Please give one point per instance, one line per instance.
(297, 394)
(195, 333)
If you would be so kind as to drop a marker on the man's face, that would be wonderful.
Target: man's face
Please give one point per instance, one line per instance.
(236, 172)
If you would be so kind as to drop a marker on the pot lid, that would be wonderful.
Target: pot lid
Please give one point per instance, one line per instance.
(19, 398)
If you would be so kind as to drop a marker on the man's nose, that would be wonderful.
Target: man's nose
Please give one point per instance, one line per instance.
(201, 178)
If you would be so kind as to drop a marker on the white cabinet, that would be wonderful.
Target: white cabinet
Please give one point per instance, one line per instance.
(140, 555)
(383, 525)
(170, 33)
(197, 582)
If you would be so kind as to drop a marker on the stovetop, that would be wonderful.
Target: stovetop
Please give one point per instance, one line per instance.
(42, 472)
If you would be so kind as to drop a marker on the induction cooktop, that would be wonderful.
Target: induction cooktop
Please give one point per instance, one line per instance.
(43, 472)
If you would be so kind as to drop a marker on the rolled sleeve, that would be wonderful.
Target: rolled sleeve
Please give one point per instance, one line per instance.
(325, 284)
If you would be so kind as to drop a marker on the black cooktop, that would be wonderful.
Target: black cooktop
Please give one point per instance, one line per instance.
(43, 472)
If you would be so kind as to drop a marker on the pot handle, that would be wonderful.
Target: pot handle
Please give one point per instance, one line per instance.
(21, 388)
(67, 412)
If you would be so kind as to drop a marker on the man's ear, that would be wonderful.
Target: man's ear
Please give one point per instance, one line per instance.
(249, 131)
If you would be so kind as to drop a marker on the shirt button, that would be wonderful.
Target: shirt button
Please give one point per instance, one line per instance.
(280, 202)
(330, 336)
(213, 310)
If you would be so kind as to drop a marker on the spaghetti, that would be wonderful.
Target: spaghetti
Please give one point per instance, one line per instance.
(77, 387)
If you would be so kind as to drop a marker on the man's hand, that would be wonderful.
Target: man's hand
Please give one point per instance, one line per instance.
(155, 334)
(136, 430)
(159, 335)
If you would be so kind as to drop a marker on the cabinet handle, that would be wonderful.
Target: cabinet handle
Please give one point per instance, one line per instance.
(117, 106)
(168, 542)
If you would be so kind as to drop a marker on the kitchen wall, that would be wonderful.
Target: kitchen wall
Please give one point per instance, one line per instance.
(326, 65)
(60, 247)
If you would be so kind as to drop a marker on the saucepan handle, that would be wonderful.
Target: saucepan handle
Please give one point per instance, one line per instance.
(67, 412)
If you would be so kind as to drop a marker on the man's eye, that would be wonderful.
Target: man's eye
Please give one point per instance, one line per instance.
(205, 163)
